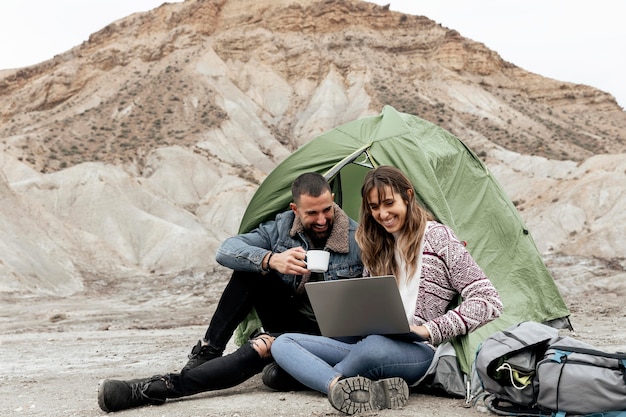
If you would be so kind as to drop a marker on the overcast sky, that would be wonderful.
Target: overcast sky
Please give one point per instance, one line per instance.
(579, 41)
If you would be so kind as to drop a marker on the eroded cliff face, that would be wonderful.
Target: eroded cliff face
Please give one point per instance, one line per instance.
(146, 141)
(168, 77)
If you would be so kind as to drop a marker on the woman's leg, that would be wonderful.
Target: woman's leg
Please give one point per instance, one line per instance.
(310, 359)
(378, 357)
(317, 361)
(377, 371)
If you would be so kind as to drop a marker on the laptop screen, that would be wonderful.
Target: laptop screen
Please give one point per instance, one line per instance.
(358, 307)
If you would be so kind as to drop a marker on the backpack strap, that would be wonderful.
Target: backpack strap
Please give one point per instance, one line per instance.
(559, 355)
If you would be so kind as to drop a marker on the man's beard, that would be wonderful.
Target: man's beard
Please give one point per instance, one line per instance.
(319, 238)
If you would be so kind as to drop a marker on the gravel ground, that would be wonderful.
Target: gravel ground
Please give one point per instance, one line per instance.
(54, 351)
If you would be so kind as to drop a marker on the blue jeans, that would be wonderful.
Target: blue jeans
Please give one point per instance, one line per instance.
(316, 360)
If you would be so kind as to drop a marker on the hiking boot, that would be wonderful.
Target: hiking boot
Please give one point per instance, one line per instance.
(199, 355)
(278, 379)
(359, 394)
(119, 395)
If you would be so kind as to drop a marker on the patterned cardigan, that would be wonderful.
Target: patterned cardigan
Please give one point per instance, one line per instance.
(448, 270)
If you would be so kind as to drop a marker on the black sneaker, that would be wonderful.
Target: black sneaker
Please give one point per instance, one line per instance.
(278, 379)
(359, 394)
(199, 355)
(119, 395)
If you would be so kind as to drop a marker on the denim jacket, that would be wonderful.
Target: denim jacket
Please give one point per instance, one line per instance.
(246, 251)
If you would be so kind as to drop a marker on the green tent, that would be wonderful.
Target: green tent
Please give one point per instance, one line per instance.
(452, 183)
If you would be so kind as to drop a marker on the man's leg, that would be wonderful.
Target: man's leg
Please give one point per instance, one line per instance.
(234, 305)
(224, 372)
(279, 308)
(220, 373)
(275, 302)
(283, 315)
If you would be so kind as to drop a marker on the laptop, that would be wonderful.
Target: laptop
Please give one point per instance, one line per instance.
(360, 307)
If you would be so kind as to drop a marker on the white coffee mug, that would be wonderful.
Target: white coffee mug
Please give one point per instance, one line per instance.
(317, 260)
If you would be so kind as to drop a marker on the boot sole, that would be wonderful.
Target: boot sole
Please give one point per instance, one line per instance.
(101, 403)
(359, 394)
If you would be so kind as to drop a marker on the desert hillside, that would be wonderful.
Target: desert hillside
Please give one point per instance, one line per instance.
(132, 155)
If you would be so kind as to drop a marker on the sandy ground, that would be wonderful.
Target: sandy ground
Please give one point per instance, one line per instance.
(54, 351)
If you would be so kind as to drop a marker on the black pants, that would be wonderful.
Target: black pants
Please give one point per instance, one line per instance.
(277, 306)
(275, 302)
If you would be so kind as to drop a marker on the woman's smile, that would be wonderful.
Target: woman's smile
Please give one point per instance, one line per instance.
(389, 211)
(389, 222)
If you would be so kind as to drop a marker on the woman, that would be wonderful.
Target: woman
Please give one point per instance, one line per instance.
(432, 267)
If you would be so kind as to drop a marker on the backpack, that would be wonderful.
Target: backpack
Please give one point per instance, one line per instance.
(528, 369)
(573, 377)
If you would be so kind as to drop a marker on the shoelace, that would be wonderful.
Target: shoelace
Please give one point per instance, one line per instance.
(137, 390)
(196, 351)
(201, 352)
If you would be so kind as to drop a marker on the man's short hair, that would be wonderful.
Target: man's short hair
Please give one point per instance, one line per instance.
(310, 183)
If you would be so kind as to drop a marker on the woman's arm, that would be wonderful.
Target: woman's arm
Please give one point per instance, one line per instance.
(480, 301)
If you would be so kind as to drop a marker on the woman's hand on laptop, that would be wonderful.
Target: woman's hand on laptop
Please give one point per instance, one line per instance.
(421, 330)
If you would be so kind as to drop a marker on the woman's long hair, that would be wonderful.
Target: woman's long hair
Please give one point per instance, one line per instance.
(377, 245)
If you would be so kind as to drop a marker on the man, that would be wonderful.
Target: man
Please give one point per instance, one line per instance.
(269, 275)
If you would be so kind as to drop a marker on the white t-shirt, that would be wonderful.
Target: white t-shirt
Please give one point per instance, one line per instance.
(409, 288)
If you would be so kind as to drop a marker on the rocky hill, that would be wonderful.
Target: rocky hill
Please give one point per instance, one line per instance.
(134, 154)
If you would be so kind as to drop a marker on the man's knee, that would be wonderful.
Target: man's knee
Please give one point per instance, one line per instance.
(262, 345)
